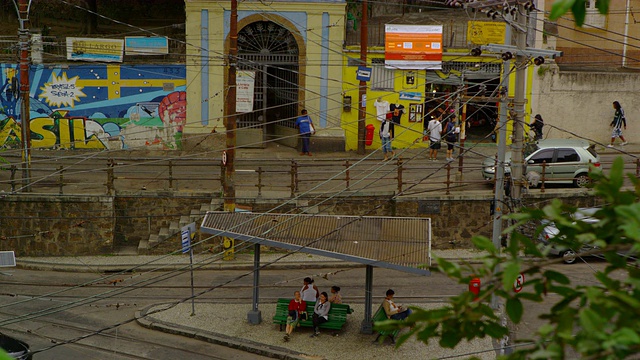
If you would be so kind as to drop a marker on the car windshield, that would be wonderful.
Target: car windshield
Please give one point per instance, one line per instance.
(530, 148)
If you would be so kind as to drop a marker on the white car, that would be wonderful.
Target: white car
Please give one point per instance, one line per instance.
(567, 161)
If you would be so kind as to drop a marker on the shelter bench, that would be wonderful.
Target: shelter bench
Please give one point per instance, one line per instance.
(337, 315)
(381, 315)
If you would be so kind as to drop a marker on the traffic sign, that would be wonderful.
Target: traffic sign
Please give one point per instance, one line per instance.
(363, 73)
(519, 283)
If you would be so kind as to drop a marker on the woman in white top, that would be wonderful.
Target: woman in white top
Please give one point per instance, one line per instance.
(309, 291)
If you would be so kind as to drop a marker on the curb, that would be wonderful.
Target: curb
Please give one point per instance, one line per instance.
(67, 267)
(149, 322)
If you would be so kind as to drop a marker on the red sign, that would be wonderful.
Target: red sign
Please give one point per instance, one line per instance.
(517, 285)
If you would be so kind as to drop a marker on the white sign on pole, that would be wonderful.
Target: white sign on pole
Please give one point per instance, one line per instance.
(245, 81)
(517, 285)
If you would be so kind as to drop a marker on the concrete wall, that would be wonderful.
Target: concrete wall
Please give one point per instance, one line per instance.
(581, 102)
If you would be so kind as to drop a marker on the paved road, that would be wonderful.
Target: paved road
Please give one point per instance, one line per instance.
(113, 300)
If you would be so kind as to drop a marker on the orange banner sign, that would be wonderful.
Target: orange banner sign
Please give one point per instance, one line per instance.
(415, 47)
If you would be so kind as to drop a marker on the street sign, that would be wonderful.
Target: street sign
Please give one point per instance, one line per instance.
(224, 158)
(363, 73)
(187, 232)
(519, 283)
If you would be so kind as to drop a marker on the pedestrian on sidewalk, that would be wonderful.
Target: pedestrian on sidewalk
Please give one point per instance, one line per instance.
(320, 313)
(536, 126)
(305, 125)
(435, 130)
(450, 136)
(297, 308)
(619, 121)
(385, 138)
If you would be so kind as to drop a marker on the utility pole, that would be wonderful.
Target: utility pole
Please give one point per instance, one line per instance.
(229, 188)
(517, 165)
(23, 34)
(230, 116)
(362, 93)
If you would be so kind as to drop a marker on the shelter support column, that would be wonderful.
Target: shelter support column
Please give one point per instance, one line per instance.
(255, 316)
(367, 324)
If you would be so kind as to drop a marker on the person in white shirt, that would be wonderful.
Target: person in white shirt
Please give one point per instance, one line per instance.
(309, 291)
(386, 137)
(435, 132)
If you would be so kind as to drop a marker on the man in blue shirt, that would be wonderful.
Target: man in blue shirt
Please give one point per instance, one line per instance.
(304, 123)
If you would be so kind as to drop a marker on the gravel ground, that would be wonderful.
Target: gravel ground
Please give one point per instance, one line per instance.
(230, 320)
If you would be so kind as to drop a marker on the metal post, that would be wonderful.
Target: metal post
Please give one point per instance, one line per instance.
(254, 316)
(23, 33)
(517, 165)
(362, 93)
(367, 326)
(193, 292)
(502, 149)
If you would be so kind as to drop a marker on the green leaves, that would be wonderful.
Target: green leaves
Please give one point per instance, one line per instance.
(515, 309)
(578, 8)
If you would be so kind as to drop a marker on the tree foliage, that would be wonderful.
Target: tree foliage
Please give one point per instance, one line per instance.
(577, 7)
(597, 321)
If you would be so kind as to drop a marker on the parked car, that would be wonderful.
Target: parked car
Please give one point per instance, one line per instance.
(569, 256)
(15, 348)
(567, 161)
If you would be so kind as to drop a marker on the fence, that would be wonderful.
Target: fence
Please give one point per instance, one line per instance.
(264, 178)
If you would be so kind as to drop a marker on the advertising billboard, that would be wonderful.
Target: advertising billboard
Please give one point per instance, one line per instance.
(416, 47)
(486, 32)
(89, 49)
(146, 45)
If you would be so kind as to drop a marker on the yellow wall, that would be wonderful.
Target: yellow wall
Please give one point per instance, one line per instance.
(310, 69)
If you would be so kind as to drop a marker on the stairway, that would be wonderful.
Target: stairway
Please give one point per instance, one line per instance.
(173, 231)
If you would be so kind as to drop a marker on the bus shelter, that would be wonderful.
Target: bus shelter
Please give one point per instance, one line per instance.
(399, 243)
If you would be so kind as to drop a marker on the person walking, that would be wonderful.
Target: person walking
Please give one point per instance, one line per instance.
(619, 121)
(304, 123)
(536, 126)
(385, 137)
(450, 136)
(435, 131)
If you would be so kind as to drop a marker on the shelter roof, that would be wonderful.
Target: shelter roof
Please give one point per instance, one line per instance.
(400, 243)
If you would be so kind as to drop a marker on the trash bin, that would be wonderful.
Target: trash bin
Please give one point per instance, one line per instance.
(15, 348)
(369, 135)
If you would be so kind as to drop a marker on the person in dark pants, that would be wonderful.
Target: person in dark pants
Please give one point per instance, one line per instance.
(320, 313)
(393, 310)
(305, 125)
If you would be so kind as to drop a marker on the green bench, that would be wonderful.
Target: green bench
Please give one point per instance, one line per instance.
(381, 315)
(337, 315)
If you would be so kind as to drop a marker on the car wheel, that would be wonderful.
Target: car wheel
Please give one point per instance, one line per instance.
(582, 180)
(569, 256)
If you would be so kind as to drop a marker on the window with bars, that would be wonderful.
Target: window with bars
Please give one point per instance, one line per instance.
(381, 77)
(593, 17)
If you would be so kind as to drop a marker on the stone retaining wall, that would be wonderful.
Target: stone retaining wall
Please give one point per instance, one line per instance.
(41, 225)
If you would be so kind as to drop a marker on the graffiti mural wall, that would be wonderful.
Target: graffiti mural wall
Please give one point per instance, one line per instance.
(96, 106)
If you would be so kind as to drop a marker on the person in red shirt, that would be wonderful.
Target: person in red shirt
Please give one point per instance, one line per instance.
(297, 307)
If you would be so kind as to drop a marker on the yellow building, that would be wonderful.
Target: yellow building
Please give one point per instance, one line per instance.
(289, 51)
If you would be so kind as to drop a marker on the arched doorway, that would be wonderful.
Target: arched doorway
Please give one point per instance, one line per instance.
(271, 51)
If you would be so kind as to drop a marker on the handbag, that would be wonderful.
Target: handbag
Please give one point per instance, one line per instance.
(303, 316)
(312, 129)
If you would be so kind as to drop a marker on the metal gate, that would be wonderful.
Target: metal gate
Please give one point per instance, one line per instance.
(272, 52)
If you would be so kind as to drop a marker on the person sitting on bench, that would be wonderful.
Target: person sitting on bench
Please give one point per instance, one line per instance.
(320, 313)
(394, 311)
(297, 307)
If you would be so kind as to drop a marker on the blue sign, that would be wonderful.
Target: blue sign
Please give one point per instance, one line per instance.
(406, 95)
(186, 240)
(364, 73)
(143, 45)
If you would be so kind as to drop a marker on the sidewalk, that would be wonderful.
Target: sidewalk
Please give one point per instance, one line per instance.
(226, 324)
